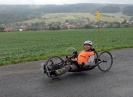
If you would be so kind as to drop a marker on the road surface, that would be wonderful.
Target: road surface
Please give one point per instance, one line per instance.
(26, 80)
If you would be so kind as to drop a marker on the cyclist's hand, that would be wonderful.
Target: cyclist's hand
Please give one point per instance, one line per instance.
(74, 59)
(80, 63)
(69, 60)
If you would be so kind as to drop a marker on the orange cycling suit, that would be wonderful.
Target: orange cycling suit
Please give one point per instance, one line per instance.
(84, 57)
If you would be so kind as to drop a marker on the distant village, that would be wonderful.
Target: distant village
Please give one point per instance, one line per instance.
(68, 24)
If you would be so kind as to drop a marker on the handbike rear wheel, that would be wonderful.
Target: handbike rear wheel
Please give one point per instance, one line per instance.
(105, 61)
(53, 64)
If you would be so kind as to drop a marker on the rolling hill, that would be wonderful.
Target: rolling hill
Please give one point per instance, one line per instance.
(18, 13)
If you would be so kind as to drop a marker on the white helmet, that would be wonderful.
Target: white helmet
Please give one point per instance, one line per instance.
(88, 42)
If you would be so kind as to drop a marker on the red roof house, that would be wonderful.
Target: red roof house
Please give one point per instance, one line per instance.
(8, 29)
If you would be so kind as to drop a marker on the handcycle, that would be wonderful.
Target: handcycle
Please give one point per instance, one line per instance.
(103, 61)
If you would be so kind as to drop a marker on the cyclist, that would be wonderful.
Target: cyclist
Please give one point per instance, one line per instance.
(84, 60)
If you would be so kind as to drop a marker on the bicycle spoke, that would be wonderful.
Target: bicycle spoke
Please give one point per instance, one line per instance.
(106, 61)
(53, 64)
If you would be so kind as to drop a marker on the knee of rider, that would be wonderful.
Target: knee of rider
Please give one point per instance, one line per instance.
(73, 67)
(60, 71)
(67, 68)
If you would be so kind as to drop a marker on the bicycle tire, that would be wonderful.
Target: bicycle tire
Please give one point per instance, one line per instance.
(60, 60)
(103, 60)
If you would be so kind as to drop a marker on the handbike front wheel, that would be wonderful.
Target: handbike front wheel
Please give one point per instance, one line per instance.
(53, 64)
(105, 61)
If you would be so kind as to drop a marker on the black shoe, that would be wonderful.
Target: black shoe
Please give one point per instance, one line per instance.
(52, 73)
(48, 70)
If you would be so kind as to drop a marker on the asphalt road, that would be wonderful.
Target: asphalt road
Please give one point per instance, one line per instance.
(26, 80)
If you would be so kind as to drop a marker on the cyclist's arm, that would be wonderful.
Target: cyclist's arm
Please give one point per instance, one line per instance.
(74, 59)
(90, 61)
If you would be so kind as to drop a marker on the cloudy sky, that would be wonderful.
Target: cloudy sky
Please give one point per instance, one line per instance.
(63, 1)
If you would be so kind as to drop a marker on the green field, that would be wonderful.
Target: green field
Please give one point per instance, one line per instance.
(61, 17)
(18, 47)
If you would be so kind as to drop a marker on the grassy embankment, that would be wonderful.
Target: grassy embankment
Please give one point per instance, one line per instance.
(18, 47)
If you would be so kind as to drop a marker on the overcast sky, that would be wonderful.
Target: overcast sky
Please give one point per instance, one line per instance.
(63, 1)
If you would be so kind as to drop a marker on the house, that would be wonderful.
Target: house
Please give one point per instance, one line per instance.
(8, 29)
(69, 26)
(130, 22)
(85, 23)
(22, 29)
(15, 30)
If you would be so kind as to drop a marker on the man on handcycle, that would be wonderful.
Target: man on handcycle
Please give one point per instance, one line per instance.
(84, 60)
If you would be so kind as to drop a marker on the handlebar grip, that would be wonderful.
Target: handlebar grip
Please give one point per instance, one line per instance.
(92, 49)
